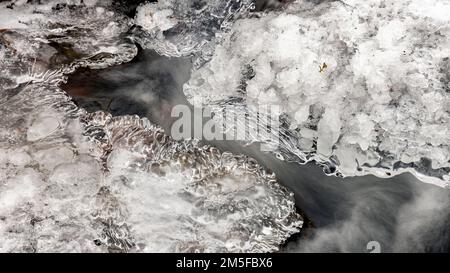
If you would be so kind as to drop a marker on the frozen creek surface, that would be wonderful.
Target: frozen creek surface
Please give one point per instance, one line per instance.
(74, 181)
(78, 181)
(90, 182)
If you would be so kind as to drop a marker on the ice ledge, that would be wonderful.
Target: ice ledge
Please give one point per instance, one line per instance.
(364, 84)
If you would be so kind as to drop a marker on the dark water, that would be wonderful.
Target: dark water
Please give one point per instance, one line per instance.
(400, 213)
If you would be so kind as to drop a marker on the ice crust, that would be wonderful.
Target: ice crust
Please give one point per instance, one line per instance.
(364, 84)
(187, 28)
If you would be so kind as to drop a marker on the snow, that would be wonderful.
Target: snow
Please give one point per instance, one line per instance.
(186, 28)
(370, 77)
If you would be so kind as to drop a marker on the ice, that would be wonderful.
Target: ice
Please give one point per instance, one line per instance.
(151, 18)
(77, 182)
(200, 199)
(186, 28)
(16, 18)
(328, 129)
(19, 189)
(42, 127)
(50, 158)
(369, 77)
(120, 184)
(58, 33)
(68, 180)
(17, 157)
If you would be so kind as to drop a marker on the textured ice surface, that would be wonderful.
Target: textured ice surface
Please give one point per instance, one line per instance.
(68, 35)
(97, 183)
(182, 28)
(77, 182)
(184, 197)
(364, 84)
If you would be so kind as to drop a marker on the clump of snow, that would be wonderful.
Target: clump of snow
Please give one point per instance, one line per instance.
(151, 18)
(368, 80)
(42, 127)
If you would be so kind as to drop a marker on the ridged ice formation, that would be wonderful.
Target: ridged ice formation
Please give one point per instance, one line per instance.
(194, 198)
(77, 182)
